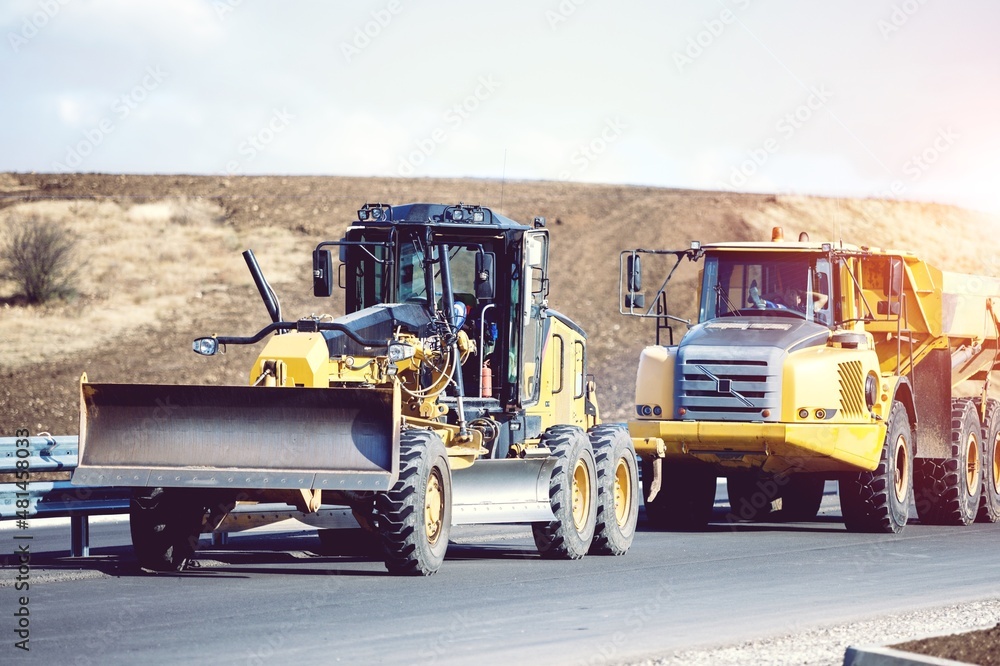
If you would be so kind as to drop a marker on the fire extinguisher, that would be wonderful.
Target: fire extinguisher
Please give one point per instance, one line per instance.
(486, 381)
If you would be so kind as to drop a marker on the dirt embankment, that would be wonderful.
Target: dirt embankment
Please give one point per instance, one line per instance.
(161, 265)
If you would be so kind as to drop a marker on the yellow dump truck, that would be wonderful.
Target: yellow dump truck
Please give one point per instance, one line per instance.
(448, 393)
(812, 361)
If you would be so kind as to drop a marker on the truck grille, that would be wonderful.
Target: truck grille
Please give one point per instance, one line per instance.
(852, 392)
(713, 388)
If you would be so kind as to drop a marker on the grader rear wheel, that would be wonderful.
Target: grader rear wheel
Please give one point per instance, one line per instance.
(618, 490)
(414, 516)
(572, 495)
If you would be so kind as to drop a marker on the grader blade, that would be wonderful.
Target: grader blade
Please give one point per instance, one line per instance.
(238, 437)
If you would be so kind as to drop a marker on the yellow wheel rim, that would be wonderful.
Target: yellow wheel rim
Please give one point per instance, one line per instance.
(581, 495)
(433, 507)
(901, 462)
(622, 492)
(996, 464)
(972, 471)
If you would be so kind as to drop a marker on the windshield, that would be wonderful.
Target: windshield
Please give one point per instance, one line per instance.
(768, 284)
(368, 275)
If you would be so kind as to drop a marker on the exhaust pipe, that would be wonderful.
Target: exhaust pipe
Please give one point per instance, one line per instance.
(266, 293)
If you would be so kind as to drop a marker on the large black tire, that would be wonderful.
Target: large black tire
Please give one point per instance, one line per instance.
(572, 496)
(686, 497)
(948, 489)
(414, 516)
(879, 501)
(989, 504)
(752, 495)
(348, 541)
(165, 525)
(801, 497)
(617, 490)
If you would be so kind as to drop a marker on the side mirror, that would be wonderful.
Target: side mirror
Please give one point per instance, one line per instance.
(322, 273)
(634, 298)
(895, 277)
(485, 281)
(634, 268)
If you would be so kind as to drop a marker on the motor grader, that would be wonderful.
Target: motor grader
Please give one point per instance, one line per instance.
(448, 393)
(812, 361)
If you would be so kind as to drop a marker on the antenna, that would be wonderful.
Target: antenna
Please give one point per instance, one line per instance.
(840, 223)
(503, 179)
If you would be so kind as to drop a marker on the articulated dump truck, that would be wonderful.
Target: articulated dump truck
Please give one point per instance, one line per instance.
(448, 393)
(815, 361)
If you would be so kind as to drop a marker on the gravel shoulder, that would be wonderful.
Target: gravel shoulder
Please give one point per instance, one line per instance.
(825, 646)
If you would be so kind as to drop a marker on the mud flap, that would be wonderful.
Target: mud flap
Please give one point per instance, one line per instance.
(238, 437)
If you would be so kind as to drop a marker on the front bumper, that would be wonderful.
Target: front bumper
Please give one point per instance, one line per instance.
(775, 447)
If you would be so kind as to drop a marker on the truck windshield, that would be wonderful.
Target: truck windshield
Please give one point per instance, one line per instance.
(767, 284)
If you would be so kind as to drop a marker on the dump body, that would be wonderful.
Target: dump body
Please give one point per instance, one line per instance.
(800, 353)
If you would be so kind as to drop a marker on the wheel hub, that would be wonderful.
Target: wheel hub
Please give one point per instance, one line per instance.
(622, 492)
(901, 477)
(996, 465)
(433, 507)
(581, 495)
(972, 471)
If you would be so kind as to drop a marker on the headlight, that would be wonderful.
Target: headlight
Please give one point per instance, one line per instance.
(206, 346)
(871, 389)
(399, 352)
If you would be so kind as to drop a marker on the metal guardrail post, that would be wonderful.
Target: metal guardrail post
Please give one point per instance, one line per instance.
(79, 536)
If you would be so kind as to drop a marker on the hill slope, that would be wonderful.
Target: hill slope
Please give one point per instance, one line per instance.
(162, 265)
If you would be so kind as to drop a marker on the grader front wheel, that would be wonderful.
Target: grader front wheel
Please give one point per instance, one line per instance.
(572, 495)
(618, 490)
(414, 517)
(165, 524)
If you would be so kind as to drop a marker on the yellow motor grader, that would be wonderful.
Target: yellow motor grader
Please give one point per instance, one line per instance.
(448, 393)
(812, 361)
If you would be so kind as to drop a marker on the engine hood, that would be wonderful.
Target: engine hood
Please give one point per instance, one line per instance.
(786, 333)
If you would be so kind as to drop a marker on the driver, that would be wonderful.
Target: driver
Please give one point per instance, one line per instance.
(796, 300)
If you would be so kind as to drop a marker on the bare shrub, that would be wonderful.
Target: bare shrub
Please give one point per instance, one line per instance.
(39, 256)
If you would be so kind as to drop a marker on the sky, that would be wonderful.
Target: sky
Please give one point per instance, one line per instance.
(869, 98)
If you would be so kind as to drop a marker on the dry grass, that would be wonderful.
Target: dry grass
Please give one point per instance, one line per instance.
(165, 266)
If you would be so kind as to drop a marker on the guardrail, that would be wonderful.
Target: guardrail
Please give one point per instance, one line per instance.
(47, 491)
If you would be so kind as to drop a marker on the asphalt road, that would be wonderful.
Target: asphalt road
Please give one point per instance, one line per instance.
(271, 598)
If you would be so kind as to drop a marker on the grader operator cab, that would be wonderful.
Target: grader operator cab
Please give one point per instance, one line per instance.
(448, 393)
(812, 361)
